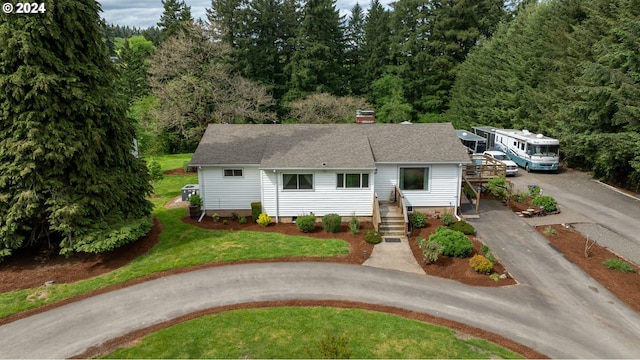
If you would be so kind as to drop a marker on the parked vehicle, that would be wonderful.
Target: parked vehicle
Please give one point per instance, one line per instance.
(512, 167)
(530, 151)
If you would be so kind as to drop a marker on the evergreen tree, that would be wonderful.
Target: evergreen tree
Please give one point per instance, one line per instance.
(354, 52)
(456, 27)
(133, 61)
(174, 16)
(377, 42)
(67, 173)
(230, 17)
(316, 64)
(266, 47)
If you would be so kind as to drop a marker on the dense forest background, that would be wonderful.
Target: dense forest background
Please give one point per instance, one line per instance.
(569, 69)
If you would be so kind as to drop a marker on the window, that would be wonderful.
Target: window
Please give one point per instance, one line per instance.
(414, 178)
(297, 181)
(353, 181)
(232, 172)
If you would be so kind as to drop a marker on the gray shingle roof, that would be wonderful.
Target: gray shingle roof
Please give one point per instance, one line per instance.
(328, 145)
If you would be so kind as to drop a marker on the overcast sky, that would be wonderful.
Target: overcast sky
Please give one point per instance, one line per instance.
(146, 13)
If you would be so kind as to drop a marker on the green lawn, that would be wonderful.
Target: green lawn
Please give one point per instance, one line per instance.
(297, 332)
(283, 332)
(181, 245)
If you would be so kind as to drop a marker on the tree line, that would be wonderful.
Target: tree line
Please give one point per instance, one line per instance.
(569, 69)
(280, 58)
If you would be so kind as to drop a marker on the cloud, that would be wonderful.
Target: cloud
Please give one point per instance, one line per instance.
(143, 14)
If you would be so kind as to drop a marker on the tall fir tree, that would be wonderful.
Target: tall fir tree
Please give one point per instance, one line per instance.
(354, 52)
(174, 16)
(265, 48)
(133, 64)
(230, 17)
(67, 173)
(376, 44)
(316, 64)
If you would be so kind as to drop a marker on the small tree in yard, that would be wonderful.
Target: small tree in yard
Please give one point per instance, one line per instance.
(155, 171)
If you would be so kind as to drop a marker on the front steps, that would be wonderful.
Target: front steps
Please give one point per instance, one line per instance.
(392, 220)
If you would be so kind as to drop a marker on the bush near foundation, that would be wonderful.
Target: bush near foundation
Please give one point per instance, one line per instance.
(306, 223)
(331, 223)
(454, 243)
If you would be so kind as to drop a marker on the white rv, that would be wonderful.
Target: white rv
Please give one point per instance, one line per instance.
(530, 151)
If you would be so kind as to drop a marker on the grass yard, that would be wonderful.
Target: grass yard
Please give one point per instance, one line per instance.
(308, 332)
(181, 245)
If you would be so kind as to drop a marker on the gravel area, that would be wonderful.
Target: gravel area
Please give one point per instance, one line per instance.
(605, 237)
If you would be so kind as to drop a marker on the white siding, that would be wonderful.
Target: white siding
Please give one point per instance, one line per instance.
(444, 186)
(230, 192)
(386, 180)
(325, 198)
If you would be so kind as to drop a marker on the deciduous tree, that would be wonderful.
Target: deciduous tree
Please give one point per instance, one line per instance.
(194, 84)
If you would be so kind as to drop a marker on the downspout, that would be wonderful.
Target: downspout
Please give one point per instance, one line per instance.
(277, 197)
(455, 210)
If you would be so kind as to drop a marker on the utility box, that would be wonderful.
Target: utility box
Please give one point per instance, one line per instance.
(188, 190)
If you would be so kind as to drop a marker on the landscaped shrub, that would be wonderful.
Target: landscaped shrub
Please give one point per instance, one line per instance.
(372, 237)
(618, 264)
(354, 225)
(306, 223)
(454, 243)
(431, 250)
(448, 219)
(242, 220)
(498, 187)
(195, 200)
(418, 220)
(215, 217)
(256, 210)
(520, 197)
(468, 191)
(331, 223)
(264, 220)
(463, 226)
(534, 191)
(546, 201)
(480, 264)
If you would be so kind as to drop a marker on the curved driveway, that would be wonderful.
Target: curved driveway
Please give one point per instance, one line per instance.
(556, 309)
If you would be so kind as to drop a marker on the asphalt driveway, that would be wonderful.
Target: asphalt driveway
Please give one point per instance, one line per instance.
(556, 309)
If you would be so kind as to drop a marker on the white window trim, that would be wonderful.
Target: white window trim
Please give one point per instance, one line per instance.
(233, 170)
(313, 181)
(344, 181)
(428, 189)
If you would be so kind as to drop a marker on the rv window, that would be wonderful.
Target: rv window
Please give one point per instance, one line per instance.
(545, 150)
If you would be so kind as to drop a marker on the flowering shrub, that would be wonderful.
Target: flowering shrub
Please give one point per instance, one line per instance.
(480, 264)
(264, 220)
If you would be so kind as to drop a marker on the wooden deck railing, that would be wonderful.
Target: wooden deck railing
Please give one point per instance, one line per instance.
(376, 219)
(398, 196)
(483, 168)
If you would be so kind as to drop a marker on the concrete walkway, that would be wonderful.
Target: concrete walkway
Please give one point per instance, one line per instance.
(394, 256)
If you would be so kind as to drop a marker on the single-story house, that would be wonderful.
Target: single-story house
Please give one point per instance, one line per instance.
(297, 169)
